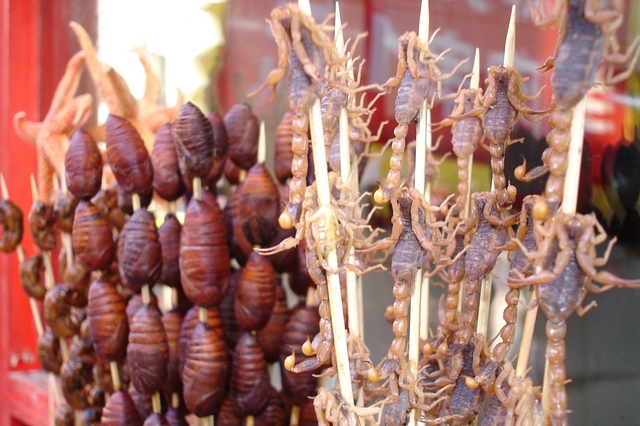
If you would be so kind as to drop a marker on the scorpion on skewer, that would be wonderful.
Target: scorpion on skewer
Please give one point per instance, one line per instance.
(586, 35)
(303, 44)
(503, 103)
(338, 227)
(567, 258)
(417, 70)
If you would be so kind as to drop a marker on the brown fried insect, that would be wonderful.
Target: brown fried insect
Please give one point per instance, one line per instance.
(259, 206)
(49, 352)
(567, 261)
(167, 179)
(147, 350)
(31, 277)
(125, 200)
(486, 244)
(139, 253)
(64, 206)
(411, 242)
(504, 102)
(156, 419)
(256, 293)
(120, 410)
(228, 414)
(63, 318)
(193, 138)
(11, 222)
(128, 156)
(332, 409)
(75, 376)
(466, 130)
(90, 417)
(64, 415)
(242, 134)
(417, 70)
(250, 385)
(189, 323)
(204, 237)
(206, 371)
(83, 165)
(92, 237)
(176, 418)
(42, 217)
(108, 323)
(274, 413)
(283, 154)
(586, 38)
(169, 238)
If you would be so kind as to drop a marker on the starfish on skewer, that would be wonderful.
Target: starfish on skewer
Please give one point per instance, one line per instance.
(145, 114)
(51, 136)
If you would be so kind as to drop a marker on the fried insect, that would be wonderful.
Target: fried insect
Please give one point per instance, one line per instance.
(242, 135)
(271, 335)
(49, 352)
(206, 371)
(11, 221)
(147, 350)
(83, 165)
(42, 218)
(120, 410)
(250, 385)
(167, 179)
(283, 154)
(169, 238)
(63, 318)
(204, 237)
(92, 237)
(108, 323)
(417, 70)
(256, 293)
(567, 260)
(128, 156)
(486, 244)
(139, 253)
(31, 277)
(504, 102)
(466, 129)
(586, 37)
(172, 323)
(64, 206)
(75, 376)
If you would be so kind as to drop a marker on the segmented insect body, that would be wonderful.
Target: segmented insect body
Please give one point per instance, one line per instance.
(504, 102)
(485, 246)
(414, 88)
(578, 55)
(521, 266)
(11, 221)
(466, 131)
(567, 264)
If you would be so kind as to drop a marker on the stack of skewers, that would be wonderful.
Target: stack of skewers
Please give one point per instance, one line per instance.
(126, 358)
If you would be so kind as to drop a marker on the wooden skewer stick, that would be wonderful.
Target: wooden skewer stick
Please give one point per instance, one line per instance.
(423, 143)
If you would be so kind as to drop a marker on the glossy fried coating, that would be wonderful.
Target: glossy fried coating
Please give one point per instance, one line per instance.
(64, 205)
(167, 179)
(120, 410)
(49, 352)
(108, 325)
(63, 318)
(83, 165)
(42, 218)
(32, 277)
(12, 229)
(92, 237)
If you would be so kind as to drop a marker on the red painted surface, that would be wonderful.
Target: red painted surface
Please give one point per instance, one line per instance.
(35, 45)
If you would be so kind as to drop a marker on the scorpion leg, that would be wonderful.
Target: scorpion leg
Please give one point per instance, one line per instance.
(553, 19)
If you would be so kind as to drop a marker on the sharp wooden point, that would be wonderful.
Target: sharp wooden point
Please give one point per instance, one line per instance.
(3, 185)
(510, 43)
(262, 145)
(34, 188)
(423, 26)
(475, 73)
(339, 37)
(305, 6)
